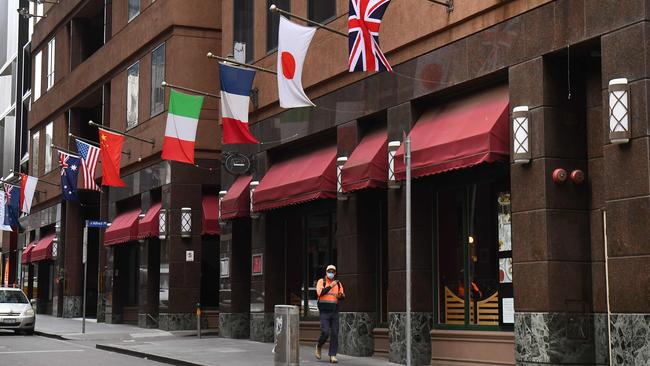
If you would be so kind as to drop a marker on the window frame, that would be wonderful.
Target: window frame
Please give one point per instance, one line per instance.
(38, 74)
(270, 16)
(130, 16)
(35, 152)
(128, 94)
(250, 46)
(493, 177)
(156, 86)
(48, 165)
(310, 12)
(51, 59)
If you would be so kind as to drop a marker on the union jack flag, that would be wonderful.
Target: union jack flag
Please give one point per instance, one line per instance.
(363, 35)
(89, 156)
(8, 188)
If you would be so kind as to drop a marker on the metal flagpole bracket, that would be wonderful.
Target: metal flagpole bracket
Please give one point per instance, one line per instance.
(448, 3)
(64, 150)
(40, 180)
(233, 61)
(274, 8)
(128, 153)
(151, 142)
(165, 84)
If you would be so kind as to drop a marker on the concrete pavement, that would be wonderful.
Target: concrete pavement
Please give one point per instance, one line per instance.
(17, 350)
(177, 348)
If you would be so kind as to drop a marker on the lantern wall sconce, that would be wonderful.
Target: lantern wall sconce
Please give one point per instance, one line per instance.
(252, 186)
(619, 111)
(162, 223)
(222, 194)
(521, 135)
(393, 146)
(340, 195)
(186, 222)
(55, 246)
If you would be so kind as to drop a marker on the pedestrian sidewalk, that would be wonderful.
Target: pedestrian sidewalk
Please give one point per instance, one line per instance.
(215, 351)
(70, 329)
(179, 348)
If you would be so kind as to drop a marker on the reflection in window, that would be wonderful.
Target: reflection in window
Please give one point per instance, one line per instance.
(134, 9)
(321, 251)
(243, 27)
(49, 132)
(164, 274)
(322, 10)
(33, 159)
(38, 64)
(273, 23)
(157, 77)
(469, 289)
(132, 80)
(51, 48)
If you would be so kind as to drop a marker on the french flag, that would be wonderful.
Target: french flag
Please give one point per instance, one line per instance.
(236, 84)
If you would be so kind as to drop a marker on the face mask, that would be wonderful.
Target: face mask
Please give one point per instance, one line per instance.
(330, 275)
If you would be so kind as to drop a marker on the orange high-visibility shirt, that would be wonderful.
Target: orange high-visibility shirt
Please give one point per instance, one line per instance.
(331, 296)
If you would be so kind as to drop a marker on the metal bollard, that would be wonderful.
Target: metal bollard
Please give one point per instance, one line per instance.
(287, 335)
(198, 319)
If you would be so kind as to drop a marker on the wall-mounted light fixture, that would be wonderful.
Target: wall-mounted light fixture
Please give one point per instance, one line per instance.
(392, 151)
(24, 12)
(162, 223)
(55, 246)
(186, 222)
(521, 135)
(252, 186)
(222, 194)
(619, 111)
(339, 178)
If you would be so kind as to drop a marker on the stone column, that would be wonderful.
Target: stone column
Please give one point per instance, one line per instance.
(266, 289)
(72, 262)
(234, 297)
(555, 322)
(148, 288)
(627, 198)
(401, 118)
(184, 276)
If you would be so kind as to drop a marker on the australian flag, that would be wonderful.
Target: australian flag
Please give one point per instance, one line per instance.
(70, 165)
(12, 208)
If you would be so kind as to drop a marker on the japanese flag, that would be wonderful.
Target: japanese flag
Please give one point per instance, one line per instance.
(293, 42)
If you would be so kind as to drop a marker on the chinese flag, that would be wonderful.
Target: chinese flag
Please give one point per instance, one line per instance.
(111, 151)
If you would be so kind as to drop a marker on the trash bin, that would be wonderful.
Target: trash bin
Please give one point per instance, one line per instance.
(287, 335)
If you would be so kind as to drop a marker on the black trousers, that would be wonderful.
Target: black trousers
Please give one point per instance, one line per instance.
(329, 328)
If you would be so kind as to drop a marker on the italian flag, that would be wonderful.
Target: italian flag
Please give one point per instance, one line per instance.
(180, 132)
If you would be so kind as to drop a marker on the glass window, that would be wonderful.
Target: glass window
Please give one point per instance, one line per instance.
(322, 11)
(132, 80)
(273, 22)
(157, 77)
(243, 28)
(27, 68)
(321, 251)
(38, 63)
(49, 133)
(31, 20)
(39, 11)
(51, 48)
(33, 158)
(471, 241)
(163, 296)
(134, 9)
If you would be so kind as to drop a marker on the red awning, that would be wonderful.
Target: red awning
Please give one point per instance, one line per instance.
(43, 250)
(459, 135)
(148, 226)
(27, 253)
(210, 215)
(236, 203)
(304, 178)
(123, 228)
(367, 167)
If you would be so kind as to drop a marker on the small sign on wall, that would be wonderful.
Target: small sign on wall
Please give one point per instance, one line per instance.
(224, 268)
(257, 264)
(189, 256)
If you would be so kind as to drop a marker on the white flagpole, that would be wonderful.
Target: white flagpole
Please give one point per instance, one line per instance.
(407, 161)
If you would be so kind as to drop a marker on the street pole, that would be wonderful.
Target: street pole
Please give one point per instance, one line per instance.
(85, 261)
(407, 161)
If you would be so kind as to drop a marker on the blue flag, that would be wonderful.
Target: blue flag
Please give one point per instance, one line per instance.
(70, 166)
(12, 208)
